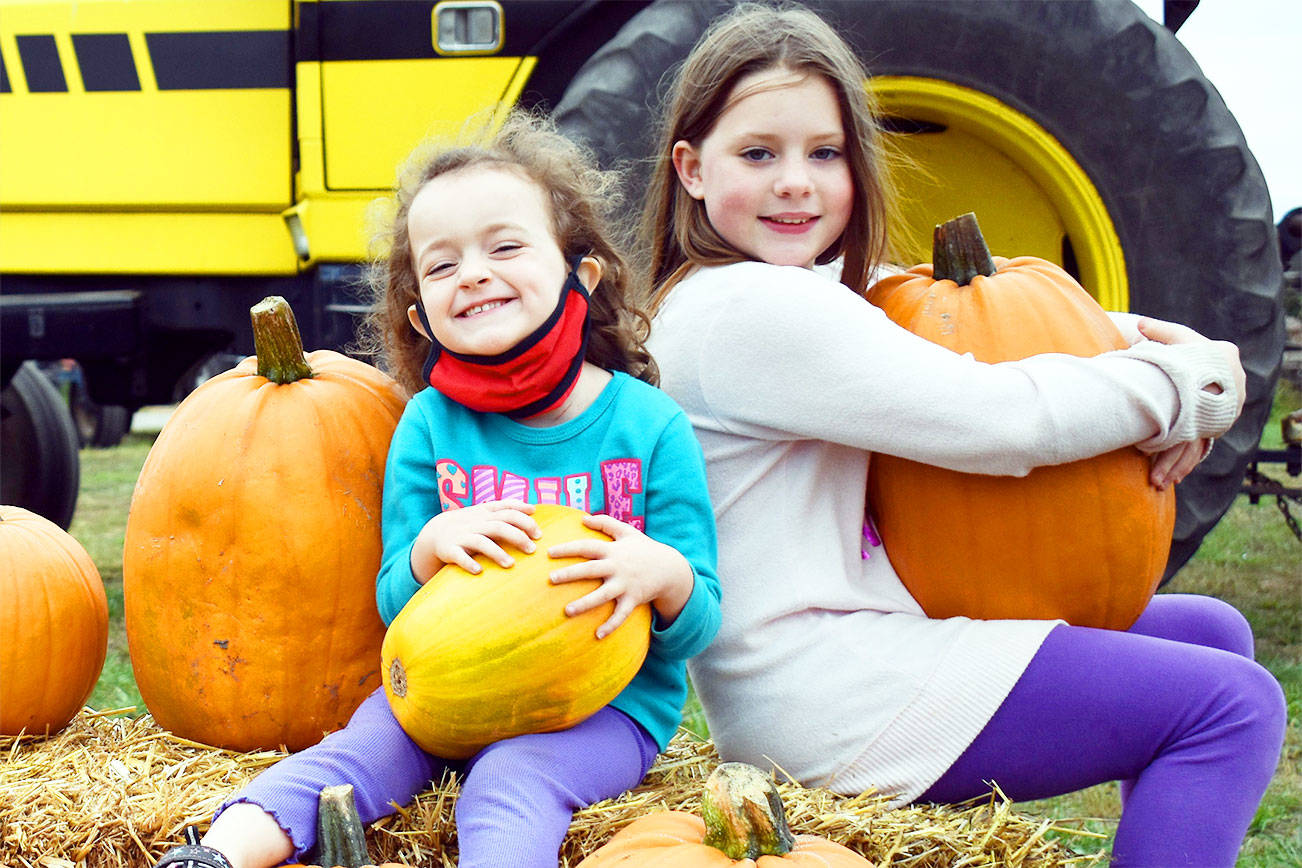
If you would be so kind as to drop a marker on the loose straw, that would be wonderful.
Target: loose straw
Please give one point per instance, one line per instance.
(115, 792)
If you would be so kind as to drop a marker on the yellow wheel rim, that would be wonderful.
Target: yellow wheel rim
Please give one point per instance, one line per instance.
(980, 154)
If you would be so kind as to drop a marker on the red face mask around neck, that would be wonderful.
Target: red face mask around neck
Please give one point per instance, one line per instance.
(534, 376)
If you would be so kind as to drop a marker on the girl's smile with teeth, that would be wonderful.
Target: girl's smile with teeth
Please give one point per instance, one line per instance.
(790, 224)
(480, 308)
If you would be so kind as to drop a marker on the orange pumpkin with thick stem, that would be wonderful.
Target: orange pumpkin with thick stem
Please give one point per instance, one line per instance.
(476, 658)
(53, 624)
(1086, 541)
(742, 823)
(253, 543)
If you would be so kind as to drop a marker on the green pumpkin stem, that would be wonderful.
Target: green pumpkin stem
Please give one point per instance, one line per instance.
(276, 341)
(340, 838)
(743, 813)
(958, 252)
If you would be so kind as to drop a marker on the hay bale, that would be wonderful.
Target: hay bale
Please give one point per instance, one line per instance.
(114, 792)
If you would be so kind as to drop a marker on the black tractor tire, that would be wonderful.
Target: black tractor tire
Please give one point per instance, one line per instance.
(41, 469)
(1116, 90)
(99, 426)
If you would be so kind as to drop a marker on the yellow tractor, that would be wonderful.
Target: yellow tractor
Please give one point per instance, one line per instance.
(164, 164)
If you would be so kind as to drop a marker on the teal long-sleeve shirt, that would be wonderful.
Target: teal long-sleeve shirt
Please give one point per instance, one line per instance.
(631, 455)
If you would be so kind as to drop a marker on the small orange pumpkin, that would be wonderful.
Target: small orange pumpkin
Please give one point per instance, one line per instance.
(253, 542)
(744, 824)
(54, 620)
(473, 659)
(1085, 541)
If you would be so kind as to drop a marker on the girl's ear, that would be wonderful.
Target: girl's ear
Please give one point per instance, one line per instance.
(589, 273)
(687, 163)
(414, 317)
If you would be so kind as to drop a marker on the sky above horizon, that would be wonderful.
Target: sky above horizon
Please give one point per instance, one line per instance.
(1251, 52)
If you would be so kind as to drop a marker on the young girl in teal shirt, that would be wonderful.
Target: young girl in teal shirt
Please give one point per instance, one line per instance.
(503, 294)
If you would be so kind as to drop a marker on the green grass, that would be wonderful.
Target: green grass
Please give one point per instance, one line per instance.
(1249, 559)
(100, 523)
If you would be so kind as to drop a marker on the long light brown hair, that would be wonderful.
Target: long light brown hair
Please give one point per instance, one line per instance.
(753, 38)
(583, 201)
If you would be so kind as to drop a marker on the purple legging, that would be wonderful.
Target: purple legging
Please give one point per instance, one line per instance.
(517, 795)
(1174, 708)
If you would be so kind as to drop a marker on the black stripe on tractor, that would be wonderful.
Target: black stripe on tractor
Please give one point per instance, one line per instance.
(41, 65)
(106, 61)
(221, 60)
(403, 30)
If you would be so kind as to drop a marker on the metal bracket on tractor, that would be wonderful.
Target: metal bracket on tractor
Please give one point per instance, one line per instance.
(1257, 484)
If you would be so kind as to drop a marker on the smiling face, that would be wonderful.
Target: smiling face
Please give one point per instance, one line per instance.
(772, 173)
(486, 258)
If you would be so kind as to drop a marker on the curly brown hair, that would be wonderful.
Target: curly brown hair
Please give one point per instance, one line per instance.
(583, 200)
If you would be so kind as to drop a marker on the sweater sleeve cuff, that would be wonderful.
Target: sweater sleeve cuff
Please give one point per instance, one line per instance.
(1192, 368)
(683, 638)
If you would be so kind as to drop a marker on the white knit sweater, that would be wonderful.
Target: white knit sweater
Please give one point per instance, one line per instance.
(825, 666)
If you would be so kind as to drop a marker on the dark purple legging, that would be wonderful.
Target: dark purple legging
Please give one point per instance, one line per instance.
(1175, 709)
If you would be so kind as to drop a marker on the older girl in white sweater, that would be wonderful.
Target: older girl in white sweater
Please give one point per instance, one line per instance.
(825, 665)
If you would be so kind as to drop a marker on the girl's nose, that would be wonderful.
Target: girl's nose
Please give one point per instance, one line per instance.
(473, 270)
(793, 179)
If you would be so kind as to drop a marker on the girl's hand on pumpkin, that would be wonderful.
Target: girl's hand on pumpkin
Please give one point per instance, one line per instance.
(1173, 333)
(1172, 465)
(633, 569)
(455, 536)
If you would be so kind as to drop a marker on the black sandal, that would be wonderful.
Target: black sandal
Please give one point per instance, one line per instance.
(192, 854)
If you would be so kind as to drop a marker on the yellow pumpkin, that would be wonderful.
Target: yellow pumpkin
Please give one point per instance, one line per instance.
(53, 624)
(1086, 541)
(252, 546)
(473, 659)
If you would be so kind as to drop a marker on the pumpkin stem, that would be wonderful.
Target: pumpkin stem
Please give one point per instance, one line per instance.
(743, 813)
(958, 252)
(276, 341)
(340, 838)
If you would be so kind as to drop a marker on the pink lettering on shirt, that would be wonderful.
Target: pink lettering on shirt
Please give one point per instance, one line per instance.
(548, 489)
(452, 483)
(483, 483)
(513, 487)
(486, 488)
(621, 479)
(577, 488)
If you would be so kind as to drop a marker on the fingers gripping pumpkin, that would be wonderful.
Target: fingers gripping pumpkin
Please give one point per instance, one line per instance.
(473, 659)
(1085, 541)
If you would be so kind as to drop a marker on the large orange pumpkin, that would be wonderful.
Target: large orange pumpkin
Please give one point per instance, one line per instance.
(743, 825)
(253, 543)
(473, 659)
(1085, 541)
(53, 624)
